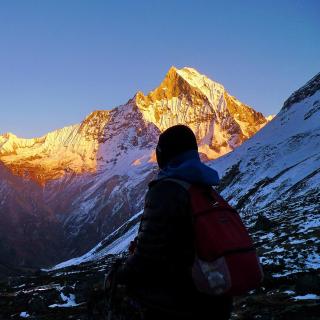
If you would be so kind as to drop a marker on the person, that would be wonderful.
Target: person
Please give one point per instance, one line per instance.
(158, 272)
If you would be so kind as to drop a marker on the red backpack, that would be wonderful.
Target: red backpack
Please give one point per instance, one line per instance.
(226, 260)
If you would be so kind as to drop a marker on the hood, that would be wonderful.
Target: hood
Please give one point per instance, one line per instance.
(188, 167)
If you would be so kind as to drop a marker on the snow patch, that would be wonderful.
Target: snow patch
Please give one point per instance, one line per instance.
(309, 296)
(290, 292)
(69, 301)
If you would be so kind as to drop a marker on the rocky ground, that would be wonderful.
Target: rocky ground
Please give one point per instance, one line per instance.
(76, 293)
(62, 294)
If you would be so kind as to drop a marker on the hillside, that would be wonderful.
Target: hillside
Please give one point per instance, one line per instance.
(88, 179)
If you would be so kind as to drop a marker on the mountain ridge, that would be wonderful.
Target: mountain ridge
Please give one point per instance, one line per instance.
(93, 175)
(273, 181)
(220, 122)
(303, 92)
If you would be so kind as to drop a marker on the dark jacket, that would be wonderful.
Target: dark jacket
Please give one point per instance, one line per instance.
(165, 250)
(159, 271)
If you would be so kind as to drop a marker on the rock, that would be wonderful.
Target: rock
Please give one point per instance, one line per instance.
(38, 304)
(67, 290)
(82, 291)
(309, 283)
(263, 223)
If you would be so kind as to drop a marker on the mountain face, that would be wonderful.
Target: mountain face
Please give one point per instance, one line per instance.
(219, 121)
(29, 229)
(308, 90)
(273, 180)
(85, 180)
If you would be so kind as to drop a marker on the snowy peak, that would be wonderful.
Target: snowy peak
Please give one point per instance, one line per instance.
(304, 92)
(186, 82)
(106, 139)
(70, 149)
(220, 121)
(207, 87)
(172, 86)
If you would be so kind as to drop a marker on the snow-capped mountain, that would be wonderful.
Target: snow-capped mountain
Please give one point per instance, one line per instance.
(92, 176)
(220, 122)
(273, 179)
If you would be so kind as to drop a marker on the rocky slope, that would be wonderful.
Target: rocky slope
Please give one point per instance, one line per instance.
(273, 179)
(29, 229)
(87, 179)
(76, 292)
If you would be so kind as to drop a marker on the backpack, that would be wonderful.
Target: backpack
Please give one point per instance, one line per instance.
(226, 262)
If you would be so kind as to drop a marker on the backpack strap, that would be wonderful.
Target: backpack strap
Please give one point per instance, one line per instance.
(211, 193)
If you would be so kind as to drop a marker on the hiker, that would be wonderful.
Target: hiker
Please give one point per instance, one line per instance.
(158, 272)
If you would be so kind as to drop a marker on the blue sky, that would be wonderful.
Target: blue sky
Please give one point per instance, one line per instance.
(60, 60)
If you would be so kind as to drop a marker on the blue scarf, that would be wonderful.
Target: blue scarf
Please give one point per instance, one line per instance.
(188, 167)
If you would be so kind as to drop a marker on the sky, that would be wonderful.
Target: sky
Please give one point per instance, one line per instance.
(62, 59)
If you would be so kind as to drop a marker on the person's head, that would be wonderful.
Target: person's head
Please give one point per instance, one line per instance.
(173, 142)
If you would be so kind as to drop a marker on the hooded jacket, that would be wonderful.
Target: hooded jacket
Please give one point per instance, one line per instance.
(188, 167)
(160, 267)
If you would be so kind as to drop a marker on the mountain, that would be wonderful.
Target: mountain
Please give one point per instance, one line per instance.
(220, 122)
(28, 229)
(87, 179)
(273, 180)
